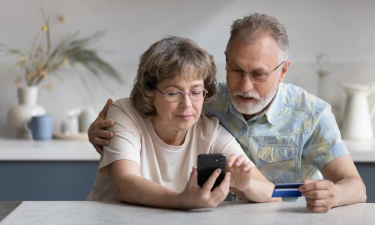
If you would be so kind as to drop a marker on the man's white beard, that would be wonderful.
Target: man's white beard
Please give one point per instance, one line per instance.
(253, 108)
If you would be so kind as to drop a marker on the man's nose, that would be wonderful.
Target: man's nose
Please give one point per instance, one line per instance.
(186, 101)
(246, 84)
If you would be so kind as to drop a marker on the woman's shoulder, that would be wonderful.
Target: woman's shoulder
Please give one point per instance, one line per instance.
(207, 125)
(123, 108)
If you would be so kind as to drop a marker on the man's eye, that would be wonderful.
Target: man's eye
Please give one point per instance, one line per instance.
(238, 71)
(255, 74)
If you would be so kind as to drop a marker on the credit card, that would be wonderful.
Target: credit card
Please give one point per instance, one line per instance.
(286, 190)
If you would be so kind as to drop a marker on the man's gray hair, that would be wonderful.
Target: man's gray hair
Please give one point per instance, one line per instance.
(253, 26)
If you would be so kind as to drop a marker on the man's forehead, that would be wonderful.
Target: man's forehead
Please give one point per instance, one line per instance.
(262, 51)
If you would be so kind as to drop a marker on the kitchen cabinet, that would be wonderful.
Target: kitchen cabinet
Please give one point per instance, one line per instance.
(66, 170)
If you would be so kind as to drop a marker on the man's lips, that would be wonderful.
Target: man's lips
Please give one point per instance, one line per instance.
(245, 99)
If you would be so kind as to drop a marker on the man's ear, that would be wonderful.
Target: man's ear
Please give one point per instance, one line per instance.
(284, 70)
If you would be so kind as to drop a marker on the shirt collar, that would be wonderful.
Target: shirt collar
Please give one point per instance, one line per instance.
(273, 110)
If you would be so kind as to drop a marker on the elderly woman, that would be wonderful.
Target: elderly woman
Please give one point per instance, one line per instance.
(160, 131)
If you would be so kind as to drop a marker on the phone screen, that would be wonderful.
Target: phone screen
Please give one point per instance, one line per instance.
(207, 164)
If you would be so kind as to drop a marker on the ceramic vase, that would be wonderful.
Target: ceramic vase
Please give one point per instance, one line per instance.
(87, 116)
(27, 107)
(356, 124)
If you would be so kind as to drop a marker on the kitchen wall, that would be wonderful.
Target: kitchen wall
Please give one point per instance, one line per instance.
(343, 30)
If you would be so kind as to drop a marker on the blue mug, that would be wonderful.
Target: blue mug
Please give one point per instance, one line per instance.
(41, 127)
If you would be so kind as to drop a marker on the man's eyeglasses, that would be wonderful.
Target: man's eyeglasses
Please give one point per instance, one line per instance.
(254, 76)
(175, 96)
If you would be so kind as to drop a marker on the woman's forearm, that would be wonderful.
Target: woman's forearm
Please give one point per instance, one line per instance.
(137, 190)
(258, 191)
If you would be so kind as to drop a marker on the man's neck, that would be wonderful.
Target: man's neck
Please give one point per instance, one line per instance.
(249, 117)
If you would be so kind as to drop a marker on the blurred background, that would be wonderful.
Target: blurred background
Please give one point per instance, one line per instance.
(335, 38)
(342, 30)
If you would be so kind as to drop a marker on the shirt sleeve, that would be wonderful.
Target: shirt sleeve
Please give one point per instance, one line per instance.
(225, 143)
(126, 142)
(325, 143)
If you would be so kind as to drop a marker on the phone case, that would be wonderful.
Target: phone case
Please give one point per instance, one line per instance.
(207, 164)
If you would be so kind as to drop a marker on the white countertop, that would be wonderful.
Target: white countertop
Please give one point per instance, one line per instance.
(361, 151)
(91, 212)
(51, 150)
(82, 150)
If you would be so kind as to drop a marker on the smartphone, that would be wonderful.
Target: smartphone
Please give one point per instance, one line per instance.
(207, 164)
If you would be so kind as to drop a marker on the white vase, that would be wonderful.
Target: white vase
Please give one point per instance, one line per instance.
(26, 108)
(87, 116)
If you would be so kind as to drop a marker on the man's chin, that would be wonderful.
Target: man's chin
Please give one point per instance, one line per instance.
(247, 108)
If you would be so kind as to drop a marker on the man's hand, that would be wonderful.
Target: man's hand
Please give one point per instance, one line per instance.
(319, 194)
(98, 136)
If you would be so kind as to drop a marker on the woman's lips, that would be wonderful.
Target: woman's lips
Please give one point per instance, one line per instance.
(184, 117)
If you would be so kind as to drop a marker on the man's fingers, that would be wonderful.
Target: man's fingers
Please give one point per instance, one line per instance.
(316, 202)
(103, 113)
(315, 185)
(106, 123)
(318, 209)
(318, 194)
(99, 141)
(99, 149)
(105, 134)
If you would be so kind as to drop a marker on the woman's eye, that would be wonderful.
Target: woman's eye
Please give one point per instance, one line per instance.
(195, 92)
(173, 93)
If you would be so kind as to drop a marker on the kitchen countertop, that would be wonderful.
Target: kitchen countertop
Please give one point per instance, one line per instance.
(82, 150)
(90, 212)
(51, 150)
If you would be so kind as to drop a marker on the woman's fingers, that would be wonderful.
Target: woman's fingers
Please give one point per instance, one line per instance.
(211, 180)
(221, 191)
(230, 160)
(193, 177)
(240, 160)
(247, 166)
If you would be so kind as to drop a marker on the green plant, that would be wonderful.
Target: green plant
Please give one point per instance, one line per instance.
(41, 61)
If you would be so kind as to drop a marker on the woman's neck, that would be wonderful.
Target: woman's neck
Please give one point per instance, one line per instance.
(168, 136)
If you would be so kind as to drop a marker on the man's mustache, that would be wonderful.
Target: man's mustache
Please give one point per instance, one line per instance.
(248, 94)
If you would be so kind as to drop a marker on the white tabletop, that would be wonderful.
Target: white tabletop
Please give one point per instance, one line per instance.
(228, 213)
(82, 150)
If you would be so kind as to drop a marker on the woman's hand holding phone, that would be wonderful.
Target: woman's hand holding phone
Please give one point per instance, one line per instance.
(194, 197)
(241, 172)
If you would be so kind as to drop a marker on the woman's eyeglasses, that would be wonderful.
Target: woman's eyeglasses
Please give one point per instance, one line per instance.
(175, 96)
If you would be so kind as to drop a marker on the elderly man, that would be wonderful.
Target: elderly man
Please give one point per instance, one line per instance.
(290, 135)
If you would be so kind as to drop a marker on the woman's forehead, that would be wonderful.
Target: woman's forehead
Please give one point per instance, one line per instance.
(182, 81)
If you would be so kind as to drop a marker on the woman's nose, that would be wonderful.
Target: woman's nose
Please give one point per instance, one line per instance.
(185, 101)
